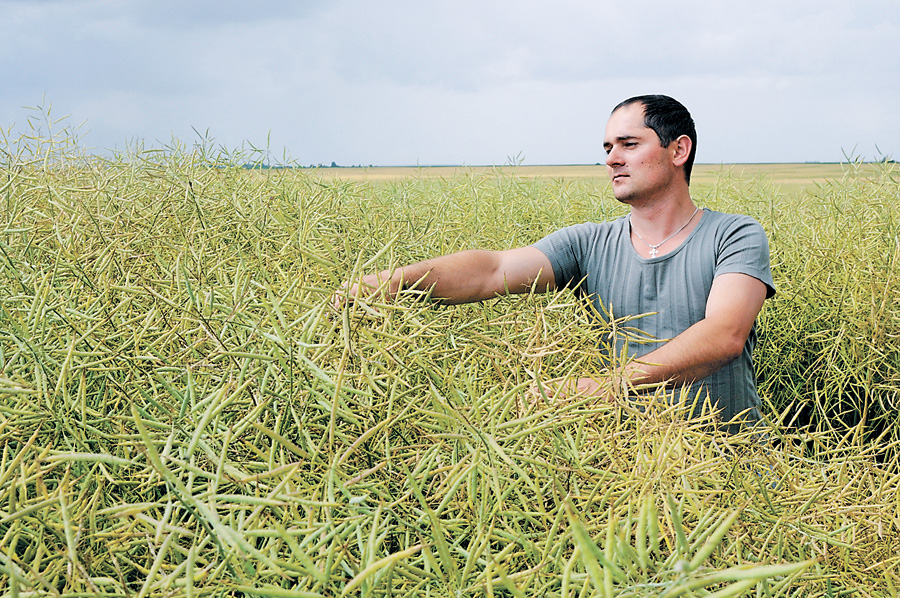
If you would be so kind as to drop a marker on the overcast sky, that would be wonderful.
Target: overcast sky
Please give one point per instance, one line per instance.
(464, 82)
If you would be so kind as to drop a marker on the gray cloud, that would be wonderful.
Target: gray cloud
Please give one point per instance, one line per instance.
(474, 82)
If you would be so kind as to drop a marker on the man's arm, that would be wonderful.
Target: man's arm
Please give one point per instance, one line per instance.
(712, 343)
(463, 277)
(715, 341)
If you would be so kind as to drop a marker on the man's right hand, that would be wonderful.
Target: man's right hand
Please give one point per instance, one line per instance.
(366, 288)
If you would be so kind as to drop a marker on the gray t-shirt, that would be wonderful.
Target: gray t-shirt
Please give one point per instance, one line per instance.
(600, 261)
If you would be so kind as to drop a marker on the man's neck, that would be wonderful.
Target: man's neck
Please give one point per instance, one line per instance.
(658, 228)
(662, 217)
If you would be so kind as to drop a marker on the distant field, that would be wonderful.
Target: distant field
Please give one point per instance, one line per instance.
(791, 176)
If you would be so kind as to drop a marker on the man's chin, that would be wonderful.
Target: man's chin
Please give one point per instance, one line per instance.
(622, 193)
(625, 198)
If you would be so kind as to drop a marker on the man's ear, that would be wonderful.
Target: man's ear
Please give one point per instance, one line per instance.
(682, 150)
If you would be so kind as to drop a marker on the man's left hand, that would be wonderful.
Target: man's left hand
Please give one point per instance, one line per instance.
(567, 389)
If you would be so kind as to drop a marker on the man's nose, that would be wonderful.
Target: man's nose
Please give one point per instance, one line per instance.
(613, 157)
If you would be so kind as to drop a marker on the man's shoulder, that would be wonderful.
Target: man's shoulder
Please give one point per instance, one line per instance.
(585, 239)
(595, 228)
(725, 222)
(728, 217)
(742, 246)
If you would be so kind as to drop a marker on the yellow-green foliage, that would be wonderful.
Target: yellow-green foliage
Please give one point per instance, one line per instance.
(182, 413)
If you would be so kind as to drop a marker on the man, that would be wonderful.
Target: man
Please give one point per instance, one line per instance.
(702, 276)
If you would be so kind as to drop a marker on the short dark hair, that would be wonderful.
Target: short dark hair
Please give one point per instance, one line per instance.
(669, 119)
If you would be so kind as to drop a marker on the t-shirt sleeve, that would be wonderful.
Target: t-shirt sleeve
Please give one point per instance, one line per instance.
(565, 249)
(744, 248)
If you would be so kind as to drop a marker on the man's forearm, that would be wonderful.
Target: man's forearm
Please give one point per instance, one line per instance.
(696, 353)
(712, 343)
(461, 277)
(705, 347)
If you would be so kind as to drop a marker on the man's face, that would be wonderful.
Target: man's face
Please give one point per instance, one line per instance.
(639, 168)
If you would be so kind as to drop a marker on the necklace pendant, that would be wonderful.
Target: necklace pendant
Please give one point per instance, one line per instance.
(654, 249)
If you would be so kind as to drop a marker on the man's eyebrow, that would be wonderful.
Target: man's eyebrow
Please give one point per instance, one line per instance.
(619, 138)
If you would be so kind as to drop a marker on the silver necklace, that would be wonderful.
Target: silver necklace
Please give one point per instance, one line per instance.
(654, 249)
